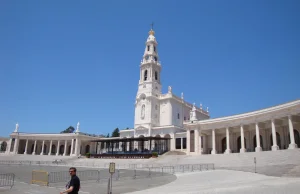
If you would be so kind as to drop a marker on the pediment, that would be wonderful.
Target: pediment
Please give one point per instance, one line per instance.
(140, 128)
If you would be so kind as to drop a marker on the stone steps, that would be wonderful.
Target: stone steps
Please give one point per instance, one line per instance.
(279, 157)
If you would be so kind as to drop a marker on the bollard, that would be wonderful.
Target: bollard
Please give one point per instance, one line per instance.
(134, 176)
(118, 174)
(162, 171)
(98, 178)
(149, 175)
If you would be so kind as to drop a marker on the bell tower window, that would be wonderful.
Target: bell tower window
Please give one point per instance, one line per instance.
(155, 58)
(156, 76)
(145, 75)
(154, 48)
(148, 48)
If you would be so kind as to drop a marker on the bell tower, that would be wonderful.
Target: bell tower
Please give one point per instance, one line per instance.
(149, 88)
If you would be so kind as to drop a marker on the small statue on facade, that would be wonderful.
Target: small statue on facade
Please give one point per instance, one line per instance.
(201, 106)
(169, 89)
(77, 129)
(17, 128)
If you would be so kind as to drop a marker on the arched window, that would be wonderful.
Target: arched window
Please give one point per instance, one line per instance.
(156, 75)
(154, 48)
(145, 75)
(155, 58)
(148, 48)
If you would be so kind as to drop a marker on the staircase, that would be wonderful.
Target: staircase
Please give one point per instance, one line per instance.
(174, 153)
(273, 163)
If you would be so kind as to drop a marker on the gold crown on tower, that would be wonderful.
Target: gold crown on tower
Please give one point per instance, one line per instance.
(151, 32)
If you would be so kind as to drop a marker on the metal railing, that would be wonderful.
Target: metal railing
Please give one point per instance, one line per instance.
(178, 167)
(7, 180)
(130, 173)
(123, 171)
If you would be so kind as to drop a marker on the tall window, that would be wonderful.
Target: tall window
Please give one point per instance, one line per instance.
(155, 58)
(154, 48)
(178, 116)
(156, 76)
(143, 112)
(148, 47)
(145, 75)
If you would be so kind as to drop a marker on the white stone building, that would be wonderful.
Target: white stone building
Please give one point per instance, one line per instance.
(158, 114)
(166, 115)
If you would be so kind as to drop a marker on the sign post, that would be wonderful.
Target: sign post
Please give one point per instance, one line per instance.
(111, 170)
(255, 164)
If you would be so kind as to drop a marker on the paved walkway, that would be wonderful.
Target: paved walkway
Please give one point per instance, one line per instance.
(225, 181)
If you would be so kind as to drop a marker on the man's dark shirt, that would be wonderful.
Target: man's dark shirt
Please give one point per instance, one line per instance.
(75, 182)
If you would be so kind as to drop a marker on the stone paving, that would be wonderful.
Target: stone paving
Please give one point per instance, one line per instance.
(227, 182)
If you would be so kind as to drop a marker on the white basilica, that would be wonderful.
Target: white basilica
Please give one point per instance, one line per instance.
(189, 128)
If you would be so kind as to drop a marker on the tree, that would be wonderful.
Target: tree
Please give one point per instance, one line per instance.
(70, 129)
(116, 133)
(107, 135)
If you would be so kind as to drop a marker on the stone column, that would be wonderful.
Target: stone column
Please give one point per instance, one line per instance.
(76, 147)
(96, 147)
(16, 146)
(173, 142)
(57, 148)
(181, 143)
(258, 148)
(196, 144)
(188, 141)
(227, 151)
(200, 143)
(42, 152)
(204, 144)
(34, 148)
(65, 150)
(292, 145)
(243, 149)
(213, 135)
(50, 148)
(72, 147)
(275, 146)
(8, 147)
(26, 146)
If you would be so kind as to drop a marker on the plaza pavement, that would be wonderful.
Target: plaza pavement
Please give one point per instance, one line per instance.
(205, 182)
(227, 182)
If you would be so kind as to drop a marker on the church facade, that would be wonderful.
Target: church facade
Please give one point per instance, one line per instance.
(158, 114)
(190, 128)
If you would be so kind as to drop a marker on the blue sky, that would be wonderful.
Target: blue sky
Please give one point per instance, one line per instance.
(67, 61)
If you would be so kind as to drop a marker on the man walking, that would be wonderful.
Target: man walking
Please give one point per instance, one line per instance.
(74, 185)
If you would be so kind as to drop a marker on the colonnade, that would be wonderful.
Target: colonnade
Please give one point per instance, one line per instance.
(40, 147)
(199, 135)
